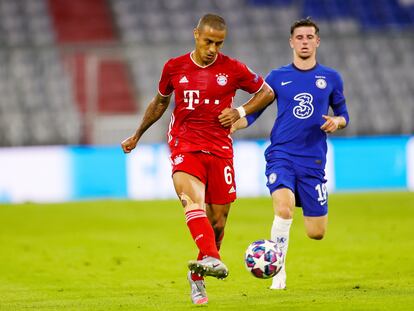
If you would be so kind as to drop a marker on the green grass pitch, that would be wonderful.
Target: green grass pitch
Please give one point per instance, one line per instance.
(123, 255)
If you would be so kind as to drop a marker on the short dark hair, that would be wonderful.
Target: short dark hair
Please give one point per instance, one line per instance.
(213, 20)
(304, 22)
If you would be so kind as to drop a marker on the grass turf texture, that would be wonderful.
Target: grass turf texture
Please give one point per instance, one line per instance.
(120, 255)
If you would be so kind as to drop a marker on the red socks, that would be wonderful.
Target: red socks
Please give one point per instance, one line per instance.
(202, 232)
(194, 276)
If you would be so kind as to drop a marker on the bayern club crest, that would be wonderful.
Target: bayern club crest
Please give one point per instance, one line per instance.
(178, 159)
(222, 79)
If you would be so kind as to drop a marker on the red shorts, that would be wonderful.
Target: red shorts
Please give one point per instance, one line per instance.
(216, 173)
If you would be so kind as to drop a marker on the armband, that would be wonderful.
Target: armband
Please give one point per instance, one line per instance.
(241, 111)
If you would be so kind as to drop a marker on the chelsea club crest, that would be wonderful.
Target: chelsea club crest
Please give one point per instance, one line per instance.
(272, 178)
(321, 83)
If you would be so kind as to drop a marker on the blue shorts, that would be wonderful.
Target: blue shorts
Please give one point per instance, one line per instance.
(308, 185)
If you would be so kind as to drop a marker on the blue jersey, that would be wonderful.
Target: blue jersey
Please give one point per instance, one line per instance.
(303, 96)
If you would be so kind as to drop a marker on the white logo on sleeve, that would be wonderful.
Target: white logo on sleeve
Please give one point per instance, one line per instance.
(283, 83)
(305, 108)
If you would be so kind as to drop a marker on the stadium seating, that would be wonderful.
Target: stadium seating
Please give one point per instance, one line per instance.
(369, 42)
(375, 67)
(36, 106)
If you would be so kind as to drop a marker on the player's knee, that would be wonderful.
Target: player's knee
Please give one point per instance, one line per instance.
(284, 211)
(188, 203)
(316, 234)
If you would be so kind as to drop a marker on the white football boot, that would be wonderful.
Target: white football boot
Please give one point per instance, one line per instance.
(279, 280)
(198, 290)
(209, 266)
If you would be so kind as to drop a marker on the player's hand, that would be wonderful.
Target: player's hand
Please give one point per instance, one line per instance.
(129, 144)
(238, 125)
(331, 124)
(228, 116)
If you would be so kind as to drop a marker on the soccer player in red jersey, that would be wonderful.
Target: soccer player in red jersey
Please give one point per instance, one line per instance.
(204, 83)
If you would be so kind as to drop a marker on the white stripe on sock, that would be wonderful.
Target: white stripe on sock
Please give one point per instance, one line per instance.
(194, 214)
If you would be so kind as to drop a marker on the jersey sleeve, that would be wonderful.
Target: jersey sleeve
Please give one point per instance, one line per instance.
(165, 87)
(337, 100)
(251, 118)
(248, 80)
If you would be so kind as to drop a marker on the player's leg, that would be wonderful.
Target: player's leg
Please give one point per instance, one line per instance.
(316, 226)
(220, 192)
(217, 215)
(189, 178)
(190, 191)
(281, 184)
(198, 292)
(313, 195)
(283, 201)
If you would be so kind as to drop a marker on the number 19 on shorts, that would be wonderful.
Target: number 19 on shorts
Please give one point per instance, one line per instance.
(322, 193)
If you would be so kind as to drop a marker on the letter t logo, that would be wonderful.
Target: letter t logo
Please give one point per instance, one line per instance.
(191, 99)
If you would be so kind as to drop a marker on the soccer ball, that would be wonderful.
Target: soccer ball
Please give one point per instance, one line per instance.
(264, 259)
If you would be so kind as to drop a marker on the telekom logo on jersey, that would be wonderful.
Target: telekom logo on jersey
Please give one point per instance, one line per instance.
(193, 97)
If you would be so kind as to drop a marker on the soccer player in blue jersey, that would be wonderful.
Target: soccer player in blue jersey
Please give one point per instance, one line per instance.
(296, 157)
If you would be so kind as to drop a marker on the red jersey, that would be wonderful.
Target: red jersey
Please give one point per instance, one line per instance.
(201, 93)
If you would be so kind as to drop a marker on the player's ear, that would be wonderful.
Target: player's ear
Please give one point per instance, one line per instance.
(196, 33)
(290, 42)
(318, 41)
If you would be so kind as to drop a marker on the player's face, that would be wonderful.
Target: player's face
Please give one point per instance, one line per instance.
(208, 42)
(304, 42)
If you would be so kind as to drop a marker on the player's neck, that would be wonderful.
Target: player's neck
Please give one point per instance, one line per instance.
(304, 64)
(198, 60)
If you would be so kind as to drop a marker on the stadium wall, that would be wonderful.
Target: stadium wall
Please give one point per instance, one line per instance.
(59, 174)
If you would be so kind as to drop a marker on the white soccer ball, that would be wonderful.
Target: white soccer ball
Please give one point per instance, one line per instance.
(264, 259)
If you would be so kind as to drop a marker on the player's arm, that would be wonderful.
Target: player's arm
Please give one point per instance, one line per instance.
(338, 121)
(153, 113)
(258, 102)
(246, 121)
(338, 104)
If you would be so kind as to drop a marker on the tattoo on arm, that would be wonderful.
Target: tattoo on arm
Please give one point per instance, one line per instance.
(153, 113)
